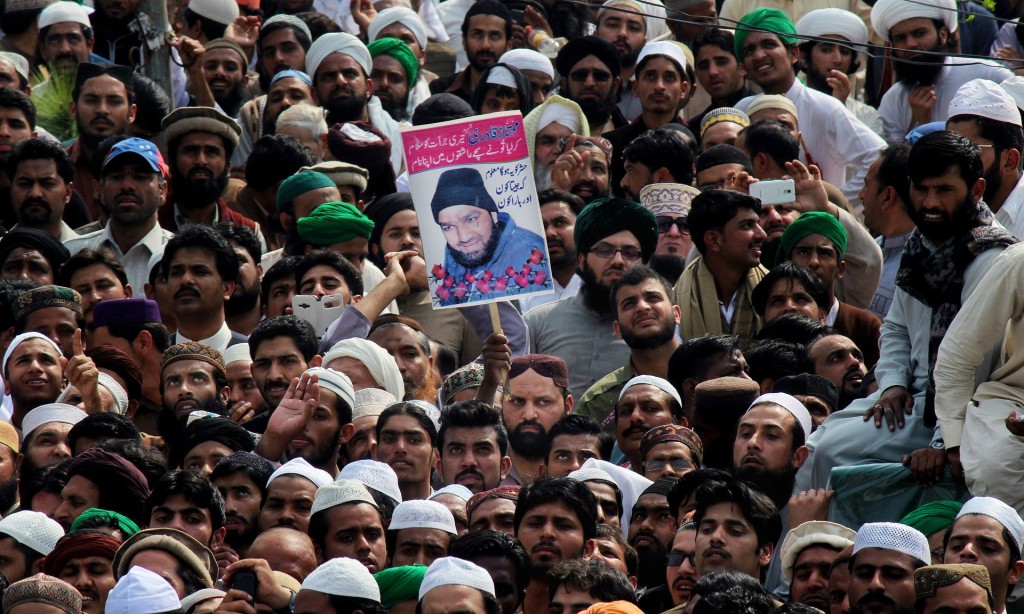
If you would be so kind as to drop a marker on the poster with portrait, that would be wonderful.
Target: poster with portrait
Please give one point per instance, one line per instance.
(472, 186)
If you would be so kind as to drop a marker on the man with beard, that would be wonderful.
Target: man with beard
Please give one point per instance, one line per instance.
(546, 126)
(406, 25)
(473, 446)
(645, 402)
(102, 105)
(40, 186)
(582, 167)
(670, 204)
(65, 40)
(657, 156)
(627, 30)
(652, 528)
(946, 188)
(479, 238)
(558, 210)
(200, 142)
(405, 340)
(243, 310)
(737, 527)
(132, 189)
(283, 43)
(611, 236)
(224, 67)
(924, 34)
(395, 73)
(589, 67)
(807, 555)
(242, 481)
(983, 112)
(202, 271)
(538, 397)
(885, 555)
(885, 214)
(84, 560)
(192, 378)
(486, 31)
(646, 320)
(282, 348)
(10, 468)
(769, 446)
(718, 71)
(839, 360)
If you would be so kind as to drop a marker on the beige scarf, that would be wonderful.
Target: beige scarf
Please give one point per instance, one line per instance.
(702, 311)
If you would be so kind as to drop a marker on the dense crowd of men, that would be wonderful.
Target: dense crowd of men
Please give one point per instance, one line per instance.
(780, 370)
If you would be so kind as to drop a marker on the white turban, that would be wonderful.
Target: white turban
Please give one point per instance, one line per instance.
(237, 353)
(559, 114)
(825, 23)
(402, 15)
(887, 13)
(378, 362)
(528, 59)
(338, 42)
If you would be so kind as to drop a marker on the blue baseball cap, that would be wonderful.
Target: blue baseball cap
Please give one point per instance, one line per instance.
(140, 147)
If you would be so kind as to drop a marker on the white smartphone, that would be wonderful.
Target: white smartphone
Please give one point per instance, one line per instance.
(774, 192)
(318, 311)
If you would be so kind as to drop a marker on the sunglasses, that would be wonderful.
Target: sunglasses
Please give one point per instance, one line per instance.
(600, 76)
(665, 223)
(675, 559)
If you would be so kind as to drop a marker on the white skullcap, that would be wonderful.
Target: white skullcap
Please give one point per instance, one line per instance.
(893, 536)
(812, 533)
(431, 410)
(116, 391)
(140, 591)
(634, 8)
(399, 14)
(204, 594)
(984, 98)
(292, 21)
(220, 11)
(51, 412)
(22, 338)
(373, 474)
(826, 23)
(1014, 86)
(591, 474)
(33, 530)
(339, 493)
(456, 490)
(18, 61)
(665, 48)
(338, 42)
(64, 12)
(237, 353)
(343, 577)
(1000, 512)
(423, 514)
(451, 570)
(299, 466)
(528, 59)
(790, 404)
(336, 382)
(887, 13)
(499, 75)
(650, 380)
(371, 402)
(381, 365)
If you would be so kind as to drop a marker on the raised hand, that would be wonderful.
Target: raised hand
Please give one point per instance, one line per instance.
(81, 372)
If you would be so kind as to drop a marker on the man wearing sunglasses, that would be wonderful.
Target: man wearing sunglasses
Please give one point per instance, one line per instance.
(590, 68)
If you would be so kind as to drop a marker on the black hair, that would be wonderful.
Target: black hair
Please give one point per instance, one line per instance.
(191, 580)
(523, 90)
(385, 504)
(408, 409)
(17, 99)
(336, 261)
(210, 28)
(40, 149)
(195, 487)
(1003, 135)
(793, 273)
(318, 23)
(775, 359)
(719, 581)
(34, 480)
(150, 461)
(207, 239)
(602, 582)
(230, 466)
(129, 85)
(487, 542)
(282, 269)
(755, 506)
(935, 154)
(772, 138)
(550, 195)
(634, 276)
(152, 104)
(723, 39)
(87, 258)
(793, 327)
(808, 46)
(105, 426)
(578, 424)
(488, 7)
(567, 491)
(300, 36)
(693, 358)
(612, 533)
(892, 170)
(661, 148)
(446, 360)
(473, 414)
(355, 604)
(18, 22)
(687, 485)
(274, 158)
(131, 330)
(99, 169)
(713, 209)
(243, 236)
(736, 600)
(293, 327)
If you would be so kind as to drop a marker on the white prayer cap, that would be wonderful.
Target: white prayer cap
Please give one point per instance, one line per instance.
(986, 99)
(431, 410)
(373, 474)
(650, 380)
(338, 42)
(456, 490)
(887, 13)
(666, 48)
(893, 536)
(344, 577)
(812, 533)
(116, 391)
(826, 23)
(339, 493)
(1014, 86)
(18, 61)
(336, 382)
(528, 59)
(22, 338)
(631, 6)
(33, 530)
(499, 75)
(790, 404)
(399, 14)
(51, 412)
(371, 402)
(299, 466)
(140, 591)
(591, 474)
(237, 353)
(64, 12)
(423, 514)
(772, 101)
(381, 365)
(200, 596)
(292, 21)
(561, 114)
(219, 11)
(451, 570)
(1000, 512)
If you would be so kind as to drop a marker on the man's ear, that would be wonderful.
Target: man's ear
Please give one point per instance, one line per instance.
(225, 394)
(229, 289)
(569, 402)
(800, 457)
(316, 361)
(840, 269)
(347, 432)
(505, 466)
(978, 190)
(1011, 161)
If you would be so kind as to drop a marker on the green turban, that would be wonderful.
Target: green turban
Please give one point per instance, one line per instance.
(399, 584)
(332, 223)
(812, 223)
(933, 517)
(607, 216)
(127, 526)
(300, 183)
(764, 20)
(401, 52)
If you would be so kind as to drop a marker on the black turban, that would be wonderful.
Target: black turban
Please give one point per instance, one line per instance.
(383, 209)
(607, 216)
(217, 429)
(722, 154)
(579, 48)
(440, 108)
(123, 488)
(43, 242)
